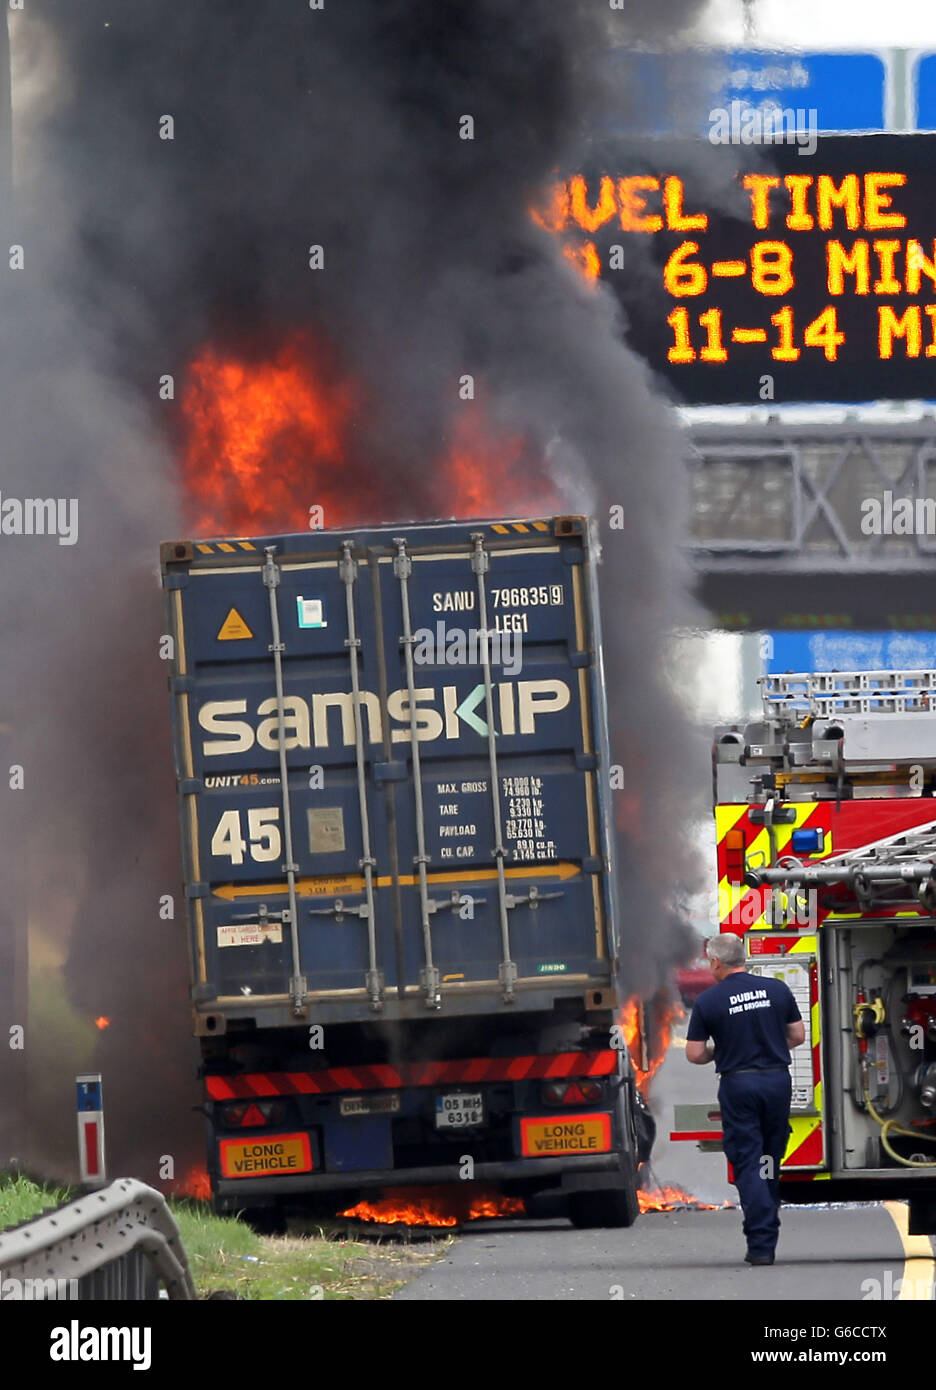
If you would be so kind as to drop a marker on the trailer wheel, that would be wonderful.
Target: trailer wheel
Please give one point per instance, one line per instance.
(612, 1207)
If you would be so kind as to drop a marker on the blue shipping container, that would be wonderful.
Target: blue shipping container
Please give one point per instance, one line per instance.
(443, 838)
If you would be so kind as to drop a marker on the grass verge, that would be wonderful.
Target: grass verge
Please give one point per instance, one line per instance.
(228, 1259)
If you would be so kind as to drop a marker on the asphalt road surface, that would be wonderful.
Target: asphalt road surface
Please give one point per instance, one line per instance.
(853, 1253)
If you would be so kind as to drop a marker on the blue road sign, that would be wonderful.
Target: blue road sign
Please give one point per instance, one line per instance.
(89, 1092)
(925, 92)
(843, 650)
(674, 93)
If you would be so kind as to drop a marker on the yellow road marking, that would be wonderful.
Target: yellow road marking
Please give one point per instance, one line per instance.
(919, 1265)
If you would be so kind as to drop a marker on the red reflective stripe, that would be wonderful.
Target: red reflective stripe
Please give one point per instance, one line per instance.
(387, 1075)
(91, 1148)
(301, 1083)
(369, 1078)
(345, 1078)
(428, 1073)
(476, 1069)
(519, 1067)
(259, 1084)
(696, 1134)
(603, 1065)
(379, 1075)
(561, 1065)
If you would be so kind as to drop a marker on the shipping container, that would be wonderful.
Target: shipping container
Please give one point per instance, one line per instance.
(392, 759)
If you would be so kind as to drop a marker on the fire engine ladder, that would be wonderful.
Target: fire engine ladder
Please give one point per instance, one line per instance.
(826, 694)
(907, 857)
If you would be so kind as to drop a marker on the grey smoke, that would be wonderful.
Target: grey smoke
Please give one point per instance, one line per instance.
(293, 127)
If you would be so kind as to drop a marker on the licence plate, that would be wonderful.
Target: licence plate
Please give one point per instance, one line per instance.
(459, 1109)
(565, 1134)
(388, 1104)
(260, 1158)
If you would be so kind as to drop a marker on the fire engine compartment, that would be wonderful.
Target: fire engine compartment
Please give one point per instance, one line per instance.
(827, 826)
(880, 1029)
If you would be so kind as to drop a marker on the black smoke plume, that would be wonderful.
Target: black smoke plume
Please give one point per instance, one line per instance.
(291, 126)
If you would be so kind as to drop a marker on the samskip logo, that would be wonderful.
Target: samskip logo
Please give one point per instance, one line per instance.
(77, 1343)
(518, 706)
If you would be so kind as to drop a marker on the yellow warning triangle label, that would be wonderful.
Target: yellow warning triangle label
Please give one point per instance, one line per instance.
(233, 627)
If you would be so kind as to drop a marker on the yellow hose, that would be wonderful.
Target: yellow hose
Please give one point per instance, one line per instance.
(892, 1127)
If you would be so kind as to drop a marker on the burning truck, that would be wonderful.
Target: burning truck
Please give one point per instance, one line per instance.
(404, 913)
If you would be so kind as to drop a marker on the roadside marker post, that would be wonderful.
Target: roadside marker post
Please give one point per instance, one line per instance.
(91, 1130)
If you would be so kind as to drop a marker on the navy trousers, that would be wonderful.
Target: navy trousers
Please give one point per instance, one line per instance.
(755, 1111)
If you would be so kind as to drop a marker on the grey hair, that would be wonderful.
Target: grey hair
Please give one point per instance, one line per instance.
(726, 949)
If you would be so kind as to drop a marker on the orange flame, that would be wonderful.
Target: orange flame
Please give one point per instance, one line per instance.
(435, 1206)
(656, 1022)
(265, 444)
(674, 1199)
(195, 1184)
(102, 1022)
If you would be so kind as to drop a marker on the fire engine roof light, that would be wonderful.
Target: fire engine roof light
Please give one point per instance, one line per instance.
(807, 841)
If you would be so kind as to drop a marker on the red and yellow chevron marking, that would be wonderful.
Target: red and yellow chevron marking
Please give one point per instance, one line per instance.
(847, 825)
(806, 1147)
(381, 1076)
(741, 908)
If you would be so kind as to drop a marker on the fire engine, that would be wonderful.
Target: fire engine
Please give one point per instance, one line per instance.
(826, 830)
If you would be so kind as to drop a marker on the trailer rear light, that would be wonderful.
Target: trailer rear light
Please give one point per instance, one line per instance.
(734, 856)
(572, 1092)
(250, 1114)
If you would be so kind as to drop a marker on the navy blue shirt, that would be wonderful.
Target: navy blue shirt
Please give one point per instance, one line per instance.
(746, 1018)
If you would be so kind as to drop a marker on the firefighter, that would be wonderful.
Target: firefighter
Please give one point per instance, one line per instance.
(752, 1021)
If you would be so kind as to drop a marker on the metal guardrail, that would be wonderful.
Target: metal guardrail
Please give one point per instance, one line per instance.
(121, 1242)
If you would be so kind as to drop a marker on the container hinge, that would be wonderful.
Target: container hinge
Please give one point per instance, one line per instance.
(429, 976)
(339, 909)
(507, 971)
(431, 983)
(348, 572)
(271, 579)
(532, 899)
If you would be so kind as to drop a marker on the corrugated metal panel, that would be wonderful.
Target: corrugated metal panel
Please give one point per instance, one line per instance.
(445, 922)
